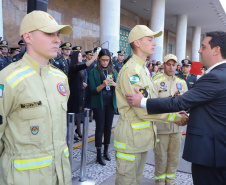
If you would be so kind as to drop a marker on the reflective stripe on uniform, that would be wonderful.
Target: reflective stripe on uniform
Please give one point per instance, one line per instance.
(30, 164)
(157, 140)
(171, 117)
(57, 73)
(159, 80)
(19, 75)
(138, 67)
(125, 65)
(160, 177)
(119, 145)
(124, 156)
(66, 152)
(170, 176)
(141, 125)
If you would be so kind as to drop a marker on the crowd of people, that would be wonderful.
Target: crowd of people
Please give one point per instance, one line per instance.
(50, 78)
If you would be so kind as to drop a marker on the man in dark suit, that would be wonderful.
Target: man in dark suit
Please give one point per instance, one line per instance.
(205, 144)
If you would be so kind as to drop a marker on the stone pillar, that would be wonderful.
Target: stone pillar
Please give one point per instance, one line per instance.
(196, 37)
(1, 20)
(157, 21)
(181, 37)
(110, 24)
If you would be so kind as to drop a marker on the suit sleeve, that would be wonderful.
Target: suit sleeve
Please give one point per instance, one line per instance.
(127, 88)
(6, 101)
(206, 89)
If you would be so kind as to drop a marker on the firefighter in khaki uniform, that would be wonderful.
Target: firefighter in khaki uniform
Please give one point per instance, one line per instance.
(33, 105)
(169, 134)
(135, 132)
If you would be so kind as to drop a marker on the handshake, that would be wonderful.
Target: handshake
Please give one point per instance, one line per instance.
(184, 119)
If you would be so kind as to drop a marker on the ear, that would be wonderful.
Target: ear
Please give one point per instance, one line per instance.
(136, 43)
(27, 38)
(216, 51)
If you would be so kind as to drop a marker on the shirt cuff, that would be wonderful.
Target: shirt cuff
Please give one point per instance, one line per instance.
(143, 102)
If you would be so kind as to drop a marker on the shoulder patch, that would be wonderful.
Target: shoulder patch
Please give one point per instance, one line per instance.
(134, 79)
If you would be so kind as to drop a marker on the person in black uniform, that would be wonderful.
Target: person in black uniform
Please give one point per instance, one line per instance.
(21, 53)
(77, 48)
(21, 45)
(62, 62)
(5, 50)
(119, 63)
(3, 61)
(186, 75)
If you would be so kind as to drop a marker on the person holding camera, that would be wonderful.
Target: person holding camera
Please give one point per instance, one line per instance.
(103, 101)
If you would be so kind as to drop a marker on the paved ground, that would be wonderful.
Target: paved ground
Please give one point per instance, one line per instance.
(105, 175)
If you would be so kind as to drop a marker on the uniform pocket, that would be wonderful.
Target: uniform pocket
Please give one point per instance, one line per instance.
(143, 135)
(32, 126)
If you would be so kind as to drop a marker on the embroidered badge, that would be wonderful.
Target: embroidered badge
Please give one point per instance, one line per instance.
(163, 87)
(162, 83)
(134, 79)
(31, 105)
(34, 130)
(179, 86)
(144, 92)
(1, 90)
(62, 89)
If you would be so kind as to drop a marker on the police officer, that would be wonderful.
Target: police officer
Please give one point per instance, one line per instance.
(3, 60)
(119, 63)
(5, 50)
(21, 45)
(186, 75)
(77, 48)
(135, 132)
(63, 61)
(21, 53)
(33, 105)
(169, 134)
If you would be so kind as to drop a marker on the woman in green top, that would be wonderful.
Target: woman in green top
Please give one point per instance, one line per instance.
(103, 101)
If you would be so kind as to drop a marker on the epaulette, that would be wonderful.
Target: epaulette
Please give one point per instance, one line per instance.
(157, 75)
(56, 71)
(193, 75)
(159, 79)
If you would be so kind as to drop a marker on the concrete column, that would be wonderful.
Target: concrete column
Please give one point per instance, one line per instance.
(110, 24)
(196, 37)
(1, 20)
(157, 21)
(181, 37)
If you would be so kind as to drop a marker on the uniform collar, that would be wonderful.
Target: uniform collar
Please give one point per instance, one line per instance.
(139, 60)
(27, 59)
(169, 77)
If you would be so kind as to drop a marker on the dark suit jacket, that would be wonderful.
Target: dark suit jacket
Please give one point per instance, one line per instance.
(205, 142)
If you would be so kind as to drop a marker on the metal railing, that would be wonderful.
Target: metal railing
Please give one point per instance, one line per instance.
(70, 138)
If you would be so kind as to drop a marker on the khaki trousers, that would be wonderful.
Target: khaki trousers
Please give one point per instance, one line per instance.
(130, 172)
(165, 169)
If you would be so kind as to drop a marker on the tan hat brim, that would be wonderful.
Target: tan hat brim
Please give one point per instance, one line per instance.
(157, 34)
(63, 29)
